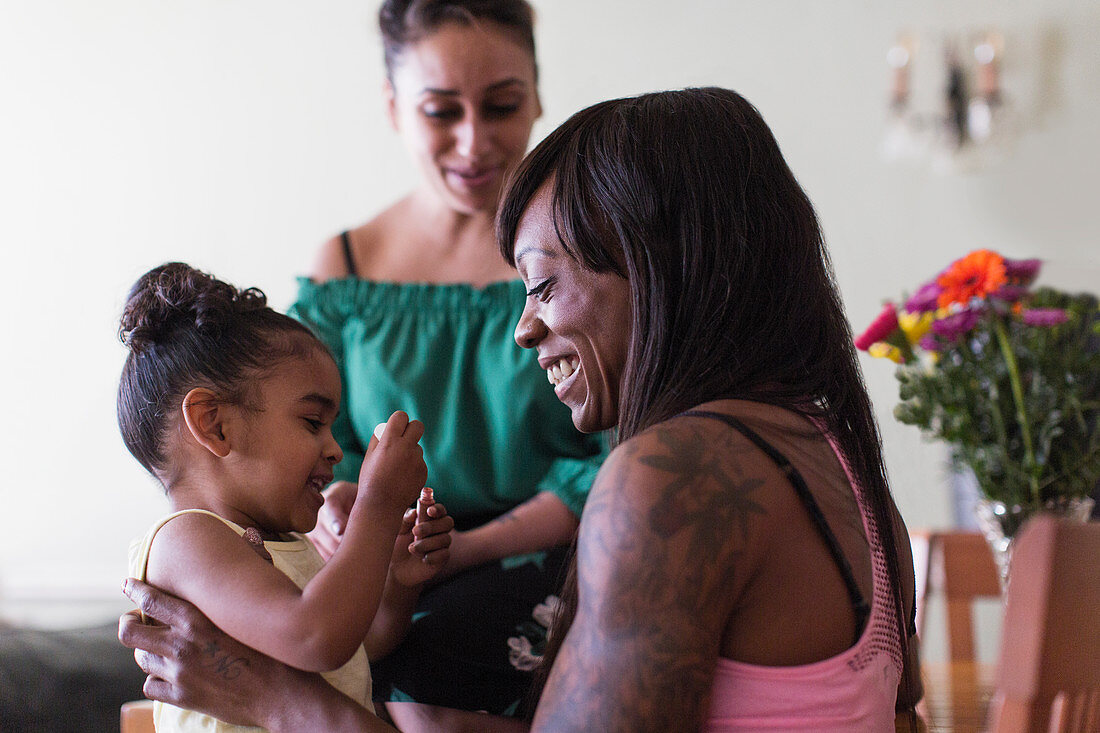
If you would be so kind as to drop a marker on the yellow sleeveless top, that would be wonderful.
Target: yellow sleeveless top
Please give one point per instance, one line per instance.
(299, 560)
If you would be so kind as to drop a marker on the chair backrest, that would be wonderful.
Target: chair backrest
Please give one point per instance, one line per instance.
(960, 567)
(1048, 677)
(136, 716)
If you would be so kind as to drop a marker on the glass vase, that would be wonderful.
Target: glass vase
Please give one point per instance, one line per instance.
(1000, 522)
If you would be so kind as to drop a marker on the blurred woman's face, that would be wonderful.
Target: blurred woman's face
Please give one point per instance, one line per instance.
(464, 99)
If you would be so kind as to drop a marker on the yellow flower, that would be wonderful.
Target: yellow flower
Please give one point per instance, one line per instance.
(883, 350)
(915, 325)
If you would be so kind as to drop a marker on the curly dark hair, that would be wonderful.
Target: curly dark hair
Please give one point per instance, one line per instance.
(187, 329)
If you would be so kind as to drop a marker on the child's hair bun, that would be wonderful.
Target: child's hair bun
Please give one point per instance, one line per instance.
(186, 329)
(176, 297)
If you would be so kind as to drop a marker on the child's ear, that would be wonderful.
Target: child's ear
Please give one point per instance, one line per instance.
(205, 417)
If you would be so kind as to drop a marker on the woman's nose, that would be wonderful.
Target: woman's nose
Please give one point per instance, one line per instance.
(473, 137)
(530, 329)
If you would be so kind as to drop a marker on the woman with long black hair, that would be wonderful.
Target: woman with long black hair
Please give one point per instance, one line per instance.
(740, 563)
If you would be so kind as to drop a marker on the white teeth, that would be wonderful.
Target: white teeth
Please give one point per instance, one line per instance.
(562, 370)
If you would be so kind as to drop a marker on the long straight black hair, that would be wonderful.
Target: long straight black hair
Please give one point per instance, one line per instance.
(686, 194)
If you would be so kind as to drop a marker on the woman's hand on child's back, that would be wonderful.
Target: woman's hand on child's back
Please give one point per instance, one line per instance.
(423, 545)
(393, 469)
(192, 663)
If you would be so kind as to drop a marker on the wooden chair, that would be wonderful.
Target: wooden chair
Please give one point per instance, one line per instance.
(136, 717)
(960, 567)
(1048, 677)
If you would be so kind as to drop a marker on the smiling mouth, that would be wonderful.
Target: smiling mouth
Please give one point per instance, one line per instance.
(318, 483)
(561, 370)
(474, 177)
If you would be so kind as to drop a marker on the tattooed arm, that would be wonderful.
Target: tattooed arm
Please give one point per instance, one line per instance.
(658, 575)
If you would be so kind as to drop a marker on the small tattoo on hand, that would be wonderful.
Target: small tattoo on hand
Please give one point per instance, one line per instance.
(225, 666)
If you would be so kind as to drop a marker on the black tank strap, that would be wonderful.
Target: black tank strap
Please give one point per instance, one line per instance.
(862, 608)
(349, 260)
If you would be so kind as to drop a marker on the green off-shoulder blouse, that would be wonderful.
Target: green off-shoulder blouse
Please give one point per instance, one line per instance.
(494, 433)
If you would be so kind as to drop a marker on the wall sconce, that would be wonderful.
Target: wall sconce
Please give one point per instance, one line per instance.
(970, 119)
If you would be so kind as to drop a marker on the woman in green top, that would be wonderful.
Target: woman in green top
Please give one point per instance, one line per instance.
(419, 311)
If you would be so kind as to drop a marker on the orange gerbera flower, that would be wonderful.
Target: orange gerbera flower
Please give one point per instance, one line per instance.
(975, 276)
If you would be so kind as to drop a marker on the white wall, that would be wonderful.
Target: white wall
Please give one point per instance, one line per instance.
(237, 134)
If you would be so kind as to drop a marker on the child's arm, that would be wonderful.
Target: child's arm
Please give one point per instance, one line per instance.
(319, 627)
(419, 554)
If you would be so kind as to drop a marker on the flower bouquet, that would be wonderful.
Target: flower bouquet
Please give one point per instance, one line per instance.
(1008, 376)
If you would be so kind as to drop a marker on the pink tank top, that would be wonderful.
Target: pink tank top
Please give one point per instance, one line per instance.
(854, 691)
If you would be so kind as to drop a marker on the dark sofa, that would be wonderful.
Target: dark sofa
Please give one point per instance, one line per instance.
(72, 680)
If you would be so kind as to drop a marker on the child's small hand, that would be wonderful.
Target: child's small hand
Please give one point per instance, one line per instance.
(423, 544)
(393, 469)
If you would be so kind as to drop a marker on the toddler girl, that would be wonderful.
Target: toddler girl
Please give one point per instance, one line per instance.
(230, 404)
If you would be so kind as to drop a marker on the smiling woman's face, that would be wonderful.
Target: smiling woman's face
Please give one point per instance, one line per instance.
(578, 320)
(464, 100)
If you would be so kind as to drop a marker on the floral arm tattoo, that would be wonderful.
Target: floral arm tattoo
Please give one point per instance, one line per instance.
(666, 521)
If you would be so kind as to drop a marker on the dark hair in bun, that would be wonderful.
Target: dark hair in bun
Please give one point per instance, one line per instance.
(187, 329)
(404, 22)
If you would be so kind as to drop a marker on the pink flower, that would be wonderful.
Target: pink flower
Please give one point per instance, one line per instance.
(1022, 272)
(1044, 316)
(956, 324)
(1010, 293)
(884, 325)
(929, 343)
(925, 299)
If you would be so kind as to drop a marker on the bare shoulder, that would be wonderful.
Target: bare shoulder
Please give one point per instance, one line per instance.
(685, 489)
(364, 241)
(665, 551)
(191, 544)
(703, 486)
(332, 258)
(330, 262)
(685, 457)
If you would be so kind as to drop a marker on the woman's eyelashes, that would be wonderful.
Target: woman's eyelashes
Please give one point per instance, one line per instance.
(445, 114)
(492, 111)
(315, 425)
(497, 111)
(542, 290)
